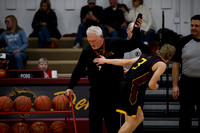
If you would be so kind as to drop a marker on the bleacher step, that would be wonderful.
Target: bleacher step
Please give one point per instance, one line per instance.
(63, 42)
(54, 54)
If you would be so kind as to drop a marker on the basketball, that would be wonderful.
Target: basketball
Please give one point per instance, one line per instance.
(2, 73)
(6, 104)
(4, 128)
(58, 127)
(43, 103)
(38, 127)
(22, 104)
(60, 103)
(20, 128)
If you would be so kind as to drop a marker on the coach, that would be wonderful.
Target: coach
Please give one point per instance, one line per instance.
(104, 80)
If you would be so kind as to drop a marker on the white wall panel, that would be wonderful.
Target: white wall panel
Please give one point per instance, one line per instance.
(53, 4)
(166, 4)
(68, 12)
(30, 4)
(11, 4)
(70, 4)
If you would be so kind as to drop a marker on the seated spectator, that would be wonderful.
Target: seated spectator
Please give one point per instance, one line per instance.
(16, 41)
(43, 65)
(147, 28)
(91, 14)
(114, 22)
(153, 46)
(4, 61)
(44, 24)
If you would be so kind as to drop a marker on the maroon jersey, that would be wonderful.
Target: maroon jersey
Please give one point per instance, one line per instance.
(140, 73)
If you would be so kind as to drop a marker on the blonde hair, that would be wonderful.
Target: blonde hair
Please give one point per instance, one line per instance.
(48, 5)
(16, 27)
(42, 60)
(167, 51)
(94, 30)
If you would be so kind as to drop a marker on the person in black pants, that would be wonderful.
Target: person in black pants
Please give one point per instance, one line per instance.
(145, 71)
(188, 57)
(114, 21)
(104, 80)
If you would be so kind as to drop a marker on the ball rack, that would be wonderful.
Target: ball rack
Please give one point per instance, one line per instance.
(47, 112)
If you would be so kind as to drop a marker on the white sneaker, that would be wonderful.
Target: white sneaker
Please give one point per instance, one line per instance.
(146, 43)
(78, 45)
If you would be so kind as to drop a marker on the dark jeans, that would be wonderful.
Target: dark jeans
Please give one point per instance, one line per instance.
(18, 59)
(82, 28)
(122, 32)
(43, 36)
(148, 36)
(189, 97)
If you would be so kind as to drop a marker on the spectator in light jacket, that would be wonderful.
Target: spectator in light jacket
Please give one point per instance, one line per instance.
(148, 28)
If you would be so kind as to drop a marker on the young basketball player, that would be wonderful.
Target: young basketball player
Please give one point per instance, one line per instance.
(145, 71)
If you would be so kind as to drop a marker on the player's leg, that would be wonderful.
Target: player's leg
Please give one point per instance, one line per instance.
(131, 122)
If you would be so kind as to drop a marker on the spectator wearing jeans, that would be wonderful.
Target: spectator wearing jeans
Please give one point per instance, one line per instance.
(16, 41)
(148, 28)
(91, 14)
(45, 24)
(114, 21)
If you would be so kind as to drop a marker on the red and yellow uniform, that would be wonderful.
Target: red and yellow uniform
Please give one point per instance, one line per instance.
(134, 85)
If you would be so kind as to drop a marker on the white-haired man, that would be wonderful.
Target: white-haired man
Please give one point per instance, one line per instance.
(104, 79)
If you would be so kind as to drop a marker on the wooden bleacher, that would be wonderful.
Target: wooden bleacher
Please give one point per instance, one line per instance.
(63, 59)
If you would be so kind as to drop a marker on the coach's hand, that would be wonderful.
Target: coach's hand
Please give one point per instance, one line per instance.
(68, 91)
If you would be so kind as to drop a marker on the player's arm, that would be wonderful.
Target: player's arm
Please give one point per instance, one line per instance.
(117, 62)
(158, 68)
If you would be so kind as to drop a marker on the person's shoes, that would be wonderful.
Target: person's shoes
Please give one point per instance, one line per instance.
(77, 45)
(146, 43)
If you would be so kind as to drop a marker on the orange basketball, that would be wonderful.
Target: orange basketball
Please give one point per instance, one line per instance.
(22, 104)
(38, 127)
(4, 128)
(20, 128)
(60, 103)
(6, 104)
(43, 103)
(58, 127)
(2, 73)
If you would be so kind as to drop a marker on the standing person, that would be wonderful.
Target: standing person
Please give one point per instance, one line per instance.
(16, 41)
(145, 71)
(91, 14)
(114, 21)
(45, 24)
(188, 56)
(134, 53)
(153, 46)
(104, 80)
(148, 26)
